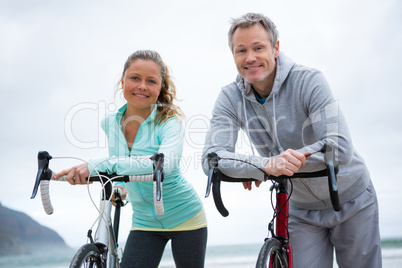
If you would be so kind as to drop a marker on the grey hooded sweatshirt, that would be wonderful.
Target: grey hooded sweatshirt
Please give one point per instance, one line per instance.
(300, 113)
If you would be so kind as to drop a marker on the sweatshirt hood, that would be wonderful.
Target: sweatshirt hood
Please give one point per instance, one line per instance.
(283, 66)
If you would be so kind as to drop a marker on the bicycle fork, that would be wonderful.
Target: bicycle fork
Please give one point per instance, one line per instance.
(105, 234)
(282, 218)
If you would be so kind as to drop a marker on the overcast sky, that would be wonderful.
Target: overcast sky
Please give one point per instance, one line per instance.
(60, 62)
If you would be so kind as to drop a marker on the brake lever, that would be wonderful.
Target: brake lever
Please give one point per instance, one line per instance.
(332, 170)
(44, 173)
(158, 159)
(213, 159)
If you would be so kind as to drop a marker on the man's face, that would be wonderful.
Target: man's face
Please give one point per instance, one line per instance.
(254, 56)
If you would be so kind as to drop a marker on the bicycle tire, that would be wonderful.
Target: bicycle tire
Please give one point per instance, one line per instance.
(272, 255)
(87, 256)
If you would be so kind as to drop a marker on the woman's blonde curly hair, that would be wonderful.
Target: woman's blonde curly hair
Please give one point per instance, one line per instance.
(165, 106)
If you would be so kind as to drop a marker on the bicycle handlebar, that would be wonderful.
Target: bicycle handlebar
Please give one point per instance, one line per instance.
(215, 176)
(44, 175)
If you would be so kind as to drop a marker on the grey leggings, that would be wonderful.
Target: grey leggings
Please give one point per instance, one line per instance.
(145, 248)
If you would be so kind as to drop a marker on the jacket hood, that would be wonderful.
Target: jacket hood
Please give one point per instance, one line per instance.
(283, 66)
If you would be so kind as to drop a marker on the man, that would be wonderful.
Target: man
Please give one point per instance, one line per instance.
(288, 110)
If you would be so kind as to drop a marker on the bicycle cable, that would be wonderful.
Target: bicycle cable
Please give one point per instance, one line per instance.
(100, 212)
(275, 214)
(244, 161)
(108, 180)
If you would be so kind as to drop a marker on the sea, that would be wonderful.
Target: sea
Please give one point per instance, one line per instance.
(225, 256)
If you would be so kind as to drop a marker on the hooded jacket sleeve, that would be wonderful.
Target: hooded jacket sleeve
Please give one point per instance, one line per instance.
(326, 119)
(221, 139)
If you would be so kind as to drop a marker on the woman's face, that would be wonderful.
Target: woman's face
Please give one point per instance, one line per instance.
(142, 83)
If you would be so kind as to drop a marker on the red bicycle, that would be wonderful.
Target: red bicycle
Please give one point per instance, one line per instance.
(276, 250)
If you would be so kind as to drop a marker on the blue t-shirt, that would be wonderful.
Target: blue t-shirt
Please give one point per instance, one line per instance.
(261, 101)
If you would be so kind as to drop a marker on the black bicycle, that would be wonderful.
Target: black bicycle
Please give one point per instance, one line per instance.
(276, 250)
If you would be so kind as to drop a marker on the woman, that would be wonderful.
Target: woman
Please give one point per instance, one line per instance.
(149, 123)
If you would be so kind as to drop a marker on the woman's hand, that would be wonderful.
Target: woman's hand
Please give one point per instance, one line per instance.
(123, 195)
(75, 175)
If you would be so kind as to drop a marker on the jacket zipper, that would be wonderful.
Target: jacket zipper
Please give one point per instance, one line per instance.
(275, 145)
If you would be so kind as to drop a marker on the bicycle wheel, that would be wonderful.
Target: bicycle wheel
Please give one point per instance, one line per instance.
(272, 255)
(87, 256)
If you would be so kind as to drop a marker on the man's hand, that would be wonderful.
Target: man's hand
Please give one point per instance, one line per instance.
(287, 163)
(247, 184)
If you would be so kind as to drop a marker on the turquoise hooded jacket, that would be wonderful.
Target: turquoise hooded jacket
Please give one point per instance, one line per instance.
(181, 202)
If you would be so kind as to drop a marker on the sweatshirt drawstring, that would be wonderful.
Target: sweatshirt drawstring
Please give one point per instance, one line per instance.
(274, 123)
(246, 125)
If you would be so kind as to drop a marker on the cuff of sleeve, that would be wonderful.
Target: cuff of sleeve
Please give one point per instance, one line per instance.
(92, 164)
(263, 164)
